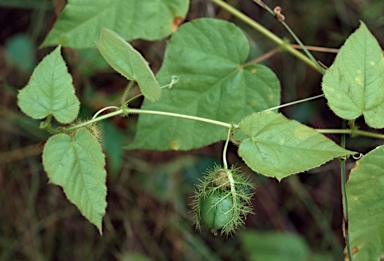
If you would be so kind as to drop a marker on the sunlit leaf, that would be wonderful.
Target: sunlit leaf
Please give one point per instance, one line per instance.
(77, 165)
(365, 196)
(81, 21)
(353, 85)
(50, 91)
(278, 147)
(129, 62)
(208, 56)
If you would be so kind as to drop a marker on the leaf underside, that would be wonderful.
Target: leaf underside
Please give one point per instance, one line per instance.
(128, 62)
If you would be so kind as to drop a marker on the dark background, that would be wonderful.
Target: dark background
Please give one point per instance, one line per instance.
(149, 192)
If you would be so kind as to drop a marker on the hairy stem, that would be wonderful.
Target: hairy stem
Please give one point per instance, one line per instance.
(280, 42)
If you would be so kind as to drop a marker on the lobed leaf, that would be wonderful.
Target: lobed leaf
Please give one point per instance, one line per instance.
(79, 25)
(208, 56)
(129, 62)
(278, 147)
(50, 91)
(77, 165)
(365, 196)
(353, 85)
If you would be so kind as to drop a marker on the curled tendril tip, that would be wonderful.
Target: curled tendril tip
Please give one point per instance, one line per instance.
(279, 16)
(174, 80)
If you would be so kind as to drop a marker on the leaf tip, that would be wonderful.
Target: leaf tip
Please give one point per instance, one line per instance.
(279, 179)
(362, 23)
(100, 228)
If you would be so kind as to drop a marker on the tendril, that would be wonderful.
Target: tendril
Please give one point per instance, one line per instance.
(104, 109)
(279, 16)
(174, 80)
(357, 156)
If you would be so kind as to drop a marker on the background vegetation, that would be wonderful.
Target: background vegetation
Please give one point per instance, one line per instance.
(148, 213)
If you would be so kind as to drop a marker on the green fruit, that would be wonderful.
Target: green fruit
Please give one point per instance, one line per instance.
(216, 210)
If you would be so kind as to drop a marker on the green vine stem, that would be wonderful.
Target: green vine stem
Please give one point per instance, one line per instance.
(181, 116)
(281, 18)
(124, 97)
(140, 111)
(353, 132)
(280, 42)
(46, 124)
(344, 196)
(225, 164)
(319, 68)
(295, 102)
(94, 120)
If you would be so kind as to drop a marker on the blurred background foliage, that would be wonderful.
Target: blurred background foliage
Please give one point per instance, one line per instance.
(148, 215)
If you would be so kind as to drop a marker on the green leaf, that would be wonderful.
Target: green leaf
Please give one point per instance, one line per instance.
(129, 62)
(353, 85)
(50, 91)
(273, 246)
(80, 22)
(207, 56)
(77, 164)
(365, 196)
(278, 147)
